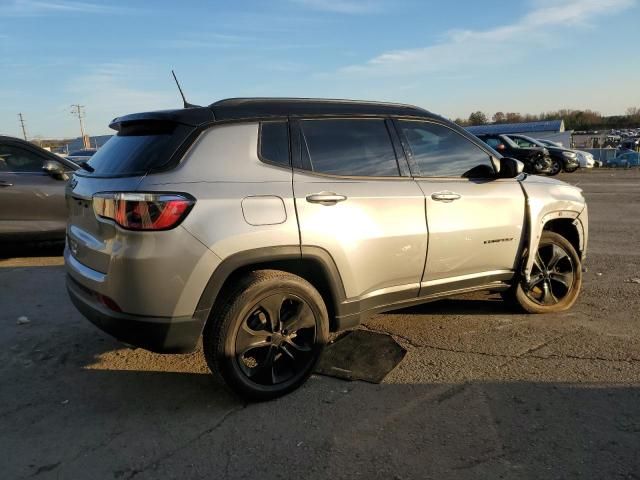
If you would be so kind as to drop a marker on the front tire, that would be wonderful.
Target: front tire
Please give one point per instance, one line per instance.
(555, 279)
(266, 335)
(556, 167)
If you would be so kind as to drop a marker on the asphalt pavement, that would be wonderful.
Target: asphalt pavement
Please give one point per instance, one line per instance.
(481, 393)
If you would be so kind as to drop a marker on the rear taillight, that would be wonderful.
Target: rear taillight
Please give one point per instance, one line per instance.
(143, 211)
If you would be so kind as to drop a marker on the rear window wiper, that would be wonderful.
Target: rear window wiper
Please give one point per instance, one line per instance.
(85, 166)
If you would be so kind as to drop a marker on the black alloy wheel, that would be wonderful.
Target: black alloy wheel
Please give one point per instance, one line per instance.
(266, 333)
(275, 340)
(552, 276)
(555, 279)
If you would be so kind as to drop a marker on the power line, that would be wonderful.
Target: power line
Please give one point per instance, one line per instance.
(24, 130)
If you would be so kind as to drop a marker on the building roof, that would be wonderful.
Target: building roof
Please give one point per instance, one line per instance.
(249, 108)
(525, 127)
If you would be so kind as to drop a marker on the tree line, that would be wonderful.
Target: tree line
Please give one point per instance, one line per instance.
(573, 119)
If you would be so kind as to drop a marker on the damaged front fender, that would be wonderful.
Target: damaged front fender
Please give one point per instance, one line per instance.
(549, 200)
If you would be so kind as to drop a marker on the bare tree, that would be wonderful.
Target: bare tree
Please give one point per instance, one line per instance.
(478, 118)
(498, 117)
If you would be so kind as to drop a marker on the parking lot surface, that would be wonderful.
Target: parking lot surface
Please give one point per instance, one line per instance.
(481, 393)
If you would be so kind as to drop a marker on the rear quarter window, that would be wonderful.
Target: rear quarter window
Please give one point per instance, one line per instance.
(274, 143)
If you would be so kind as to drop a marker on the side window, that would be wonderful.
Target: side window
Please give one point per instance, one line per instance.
(522, 143)
(16, 159)
(274, 142)
(349, 147)
(441, 152)
(492, 142)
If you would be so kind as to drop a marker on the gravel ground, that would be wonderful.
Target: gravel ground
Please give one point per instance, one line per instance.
(481, 393)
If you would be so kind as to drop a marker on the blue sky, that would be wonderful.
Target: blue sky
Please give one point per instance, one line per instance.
(451, 57)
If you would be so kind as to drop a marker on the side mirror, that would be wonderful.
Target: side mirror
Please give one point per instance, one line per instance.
(510, 167)
(55, 169)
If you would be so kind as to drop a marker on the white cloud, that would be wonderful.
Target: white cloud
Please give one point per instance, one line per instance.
(45, 7)
(343, 6)
(498, 45)
(211, 40)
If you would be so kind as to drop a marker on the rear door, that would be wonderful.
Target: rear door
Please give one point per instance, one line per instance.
(356, 201)
(475, 220)
(31, 201)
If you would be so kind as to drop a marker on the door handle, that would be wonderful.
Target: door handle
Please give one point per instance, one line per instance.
(446, 196)
(6, 184)
(325, 198)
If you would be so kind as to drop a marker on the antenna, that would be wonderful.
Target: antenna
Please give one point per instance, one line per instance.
(184, 100)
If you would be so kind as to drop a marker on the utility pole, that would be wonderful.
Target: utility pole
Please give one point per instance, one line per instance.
(24, 130)
(78, 110)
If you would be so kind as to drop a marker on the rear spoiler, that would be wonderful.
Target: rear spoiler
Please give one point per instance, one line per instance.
(186, 116)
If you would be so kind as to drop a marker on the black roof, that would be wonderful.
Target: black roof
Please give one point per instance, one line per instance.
(238, 108)
(250, 108)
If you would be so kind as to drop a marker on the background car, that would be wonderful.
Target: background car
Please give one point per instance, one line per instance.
(32, 182)
(536, 159)
(80, 156)
(625, 160)
(630, 144)
(561, 158)
(586, 159)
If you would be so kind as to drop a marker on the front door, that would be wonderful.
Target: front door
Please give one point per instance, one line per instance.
(475, 220)
(31, 201)
(353, 202)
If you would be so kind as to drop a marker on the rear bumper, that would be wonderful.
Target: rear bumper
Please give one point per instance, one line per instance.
(157, 334)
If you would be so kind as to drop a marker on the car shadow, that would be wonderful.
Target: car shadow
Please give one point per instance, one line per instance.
(31, 249)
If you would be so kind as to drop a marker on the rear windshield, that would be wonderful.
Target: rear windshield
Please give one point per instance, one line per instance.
(138, 150)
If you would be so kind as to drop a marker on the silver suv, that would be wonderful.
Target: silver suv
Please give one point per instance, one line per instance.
(266, 224)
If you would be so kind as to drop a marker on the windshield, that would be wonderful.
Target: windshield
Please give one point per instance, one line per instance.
(509, 141)
(526, 142)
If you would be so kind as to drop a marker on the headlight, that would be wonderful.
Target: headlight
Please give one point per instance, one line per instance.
(569, 154)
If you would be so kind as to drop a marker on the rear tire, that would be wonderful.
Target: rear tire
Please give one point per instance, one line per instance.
(571, 170)
(266, 334)
(556, 278)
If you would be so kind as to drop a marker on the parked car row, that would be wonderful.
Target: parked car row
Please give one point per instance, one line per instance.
(542, 156)
(539, 158)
